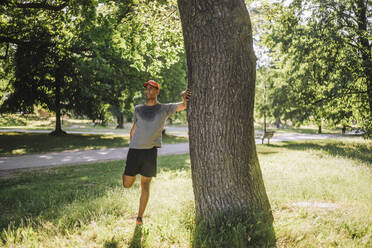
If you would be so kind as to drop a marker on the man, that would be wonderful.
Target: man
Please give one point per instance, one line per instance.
(145, 138)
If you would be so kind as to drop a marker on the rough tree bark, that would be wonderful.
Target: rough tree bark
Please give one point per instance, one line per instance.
(221, 64)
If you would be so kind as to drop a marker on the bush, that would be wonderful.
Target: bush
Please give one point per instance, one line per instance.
(12, 120)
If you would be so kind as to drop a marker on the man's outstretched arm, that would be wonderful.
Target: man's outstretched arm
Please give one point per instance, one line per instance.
(185, 97)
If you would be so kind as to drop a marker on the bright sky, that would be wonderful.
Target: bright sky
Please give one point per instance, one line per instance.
(262, 53)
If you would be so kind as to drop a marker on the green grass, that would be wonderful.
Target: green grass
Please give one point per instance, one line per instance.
(300, 130)
(26, 143)
(35, 122)
(320, 193)
(12, 120)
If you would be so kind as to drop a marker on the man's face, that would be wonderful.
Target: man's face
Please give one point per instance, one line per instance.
(151, 92)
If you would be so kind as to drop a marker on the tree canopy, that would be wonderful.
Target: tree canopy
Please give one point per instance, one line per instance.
(90, 57)
(84, 57)
(321, 61)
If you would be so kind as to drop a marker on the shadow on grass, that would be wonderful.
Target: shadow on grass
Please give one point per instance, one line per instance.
(171, 139)
(266, 152)
(356, 151)
(45, 195)
(236, 229)
(139, 237)
(300, 130)
(111, 243)
(25, 143)
(12, 143)
(174, 162)
(266, 149)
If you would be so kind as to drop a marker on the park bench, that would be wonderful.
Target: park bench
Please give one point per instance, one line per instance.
(267, 135)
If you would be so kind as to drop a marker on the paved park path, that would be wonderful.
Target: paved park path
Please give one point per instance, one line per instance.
(73, 157)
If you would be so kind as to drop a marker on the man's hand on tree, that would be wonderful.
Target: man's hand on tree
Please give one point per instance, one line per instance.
(186, 94)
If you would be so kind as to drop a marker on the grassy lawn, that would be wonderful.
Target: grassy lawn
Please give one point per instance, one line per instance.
(34, 122)
(26, 143)
(300, 130)
(320, 193)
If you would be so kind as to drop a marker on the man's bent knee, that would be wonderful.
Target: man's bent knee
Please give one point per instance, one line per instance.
(128, 181)
(127, 185)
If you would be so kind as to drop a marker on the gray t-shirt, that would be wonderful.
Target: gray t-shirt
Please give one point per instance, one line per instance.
(150, 121)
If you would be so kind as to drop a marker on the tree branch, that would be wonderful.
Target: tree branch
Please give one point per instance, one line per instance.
(42, 5)
(342, 12)
(331, 97)
(4, 39)
(166, 17)
(6, 52)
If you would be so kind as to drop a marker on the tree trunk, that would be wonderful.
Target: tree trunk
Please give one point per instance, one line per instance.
(120, 119)
(227, 180)
(278, 123)
(319, 129)
(57, 105)
(343, 129)
(365, 47)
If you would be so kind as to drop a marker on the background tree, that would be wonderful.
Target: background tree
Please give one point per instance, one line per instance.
(263, 104)
(227, 181)
(318, 50)
(87, 57)
(6, 70)
(149, 39)
(173, 82)
(42, 60)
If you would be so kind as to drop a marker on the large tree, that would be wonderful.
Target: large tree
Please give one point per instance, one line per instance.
(221, 65)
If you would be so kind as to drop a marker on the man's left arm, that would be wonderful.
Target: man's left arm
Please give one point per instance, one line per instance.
(185, 97)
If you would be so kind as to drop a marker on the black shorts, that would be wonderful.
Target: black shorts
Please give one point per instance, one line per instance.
(141, 161)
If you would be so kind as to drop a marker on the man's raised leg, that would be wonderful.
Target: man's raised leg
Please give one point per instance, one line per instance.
(128, 180)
